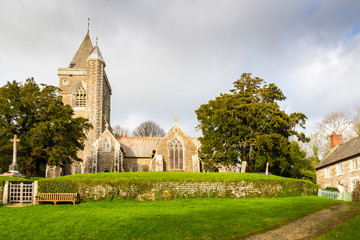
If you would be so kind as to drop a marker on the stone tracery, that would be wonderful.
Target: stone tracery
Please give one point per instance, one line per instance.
(176, 153)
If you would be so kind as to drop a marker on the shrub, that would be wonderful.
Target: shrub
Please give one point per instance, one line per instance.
(333, 189)
(356, 193)
(58, 186)
(308, 175)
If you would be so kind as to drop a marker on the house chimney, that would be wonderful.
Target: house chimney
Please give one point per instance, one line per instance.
(335, 139)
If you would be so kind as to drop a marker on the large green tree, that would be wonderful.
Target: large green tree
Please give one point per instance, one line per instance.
(48, 131)
(247, 124)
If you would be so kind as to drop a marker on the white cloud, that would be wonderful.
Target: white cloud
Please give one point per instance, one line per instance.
(165, 58)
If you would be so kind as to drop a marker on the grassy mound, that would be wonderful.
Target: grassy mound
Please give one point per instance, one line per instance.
(171, 177)
(17, 179)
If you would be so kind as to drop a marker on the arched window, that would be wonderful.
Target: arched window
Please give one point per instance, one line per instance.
(106, 145)
(80, 97)
(118, 159)
(176, 155)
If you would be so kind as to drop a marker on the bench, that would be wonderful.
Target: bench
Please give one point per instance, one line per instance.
(56, 197)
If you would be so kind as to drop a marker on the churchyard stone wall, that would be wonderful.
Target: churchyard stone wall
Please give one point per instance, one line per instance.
(171, 190)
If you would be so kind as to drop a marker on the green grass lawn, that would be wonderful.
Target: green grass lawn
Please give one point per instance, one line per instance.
(349, 230)
(174, 176)
(171, 219)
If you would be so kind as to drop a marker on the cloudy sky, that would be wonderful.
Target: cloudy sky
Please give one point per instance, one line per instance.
(164, 58)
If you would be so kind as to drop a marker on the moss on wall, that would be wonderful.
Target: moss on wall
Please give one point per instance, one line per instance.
(147, 190)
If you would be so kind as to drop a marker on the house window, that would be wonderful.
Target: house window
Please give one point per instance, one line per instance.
(176, 155)
(106, 145)
(355, 164)
(327, 172)
(80, 100)
(340, 168)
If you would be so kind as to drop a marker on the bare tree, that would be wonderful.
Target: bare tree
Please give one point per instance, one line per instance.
(149, 129)
(121, 131)
(341, 122)
(356, 124)
(317, 147)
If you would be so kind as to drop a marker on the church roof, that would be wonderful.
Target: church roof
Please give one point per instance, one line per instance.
(341, 152)
(79, 60)
(95, 54)
(139, 146)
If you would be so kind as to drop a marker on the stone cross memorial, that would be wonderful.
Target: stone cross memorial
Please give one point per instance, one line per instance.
(14, 168)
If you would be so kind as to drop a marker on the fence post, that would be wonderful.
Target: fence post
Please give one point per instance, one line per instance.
(6, 193)
(35, 191)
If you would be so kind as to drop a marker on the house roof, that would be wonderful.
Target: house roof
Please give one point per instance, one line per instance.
(79, 60)
(139, 146)
(341, 152)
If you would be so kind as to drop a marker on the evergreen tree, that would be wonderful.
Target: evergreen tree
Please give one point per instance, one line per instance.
(247, 124)
(48, 131)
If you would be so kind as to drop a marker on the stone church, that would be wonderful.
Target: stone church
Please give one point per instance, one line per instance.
(84, 86)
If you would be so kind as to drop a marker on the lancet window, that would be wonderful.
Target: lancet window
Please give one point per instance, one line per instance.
(106, 145)
(80, 100)
(176, 155)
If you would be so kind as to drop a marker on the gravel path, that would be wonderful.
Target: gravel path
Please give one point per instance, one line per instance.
(311, 226)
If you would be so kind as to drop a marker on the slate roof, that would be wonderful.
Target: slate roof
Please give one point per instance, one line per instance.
(79, 60)
(341, 152)
(139, 146)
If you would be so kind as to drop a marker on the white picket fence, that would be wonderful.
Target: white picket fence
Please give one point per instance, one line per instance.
(346, 196)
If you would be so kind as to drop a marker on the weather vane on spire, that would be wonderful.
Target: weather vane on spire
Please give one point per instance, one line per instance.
(96, 39)
(88, 23)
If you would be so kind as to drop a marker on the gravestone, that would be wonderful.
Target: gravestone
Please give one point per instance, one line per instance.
(243, 166)
(267, 168)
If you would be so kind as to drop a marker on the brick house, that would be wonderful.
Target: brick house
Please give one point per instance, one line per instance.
(341, 167)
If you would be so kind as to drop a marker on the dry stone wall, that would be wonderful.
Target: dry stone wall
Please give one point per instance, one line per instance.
(171, 190)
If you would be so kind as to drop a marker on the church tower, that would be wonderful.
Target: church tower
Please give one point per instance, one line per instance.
(86, 88)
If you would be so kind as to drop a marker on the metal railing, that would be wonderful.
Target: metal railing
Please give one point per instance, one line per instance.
(346, 196)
